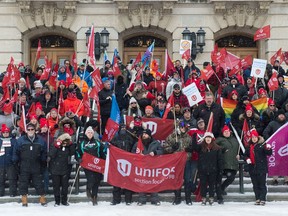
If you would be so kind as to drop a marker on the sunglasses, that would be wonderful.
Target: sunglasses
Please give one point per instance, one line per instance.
(177, 89)
(133, 103)
(272, 105)
(30, 129)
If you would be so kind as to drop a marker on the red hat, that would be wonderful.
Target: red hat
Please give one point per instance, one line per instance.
(21, 64)
(149, 108)
(4, 128)
(158, 74)
(62, 82)
(33, 115)
(271, 102)
(234, 92)
(225, 128)
(43, 122)
(54, 109)
(261, 91)
(38, 106)
(69, 81)
(254, 133)
(248, 108)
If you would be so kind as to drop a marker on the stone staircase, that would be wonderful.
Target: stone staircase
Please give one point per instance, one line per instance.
(275, 193)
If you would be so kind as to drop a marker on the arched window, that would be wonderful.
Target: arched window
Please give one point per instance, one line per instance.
(144, 41)
(236, 41)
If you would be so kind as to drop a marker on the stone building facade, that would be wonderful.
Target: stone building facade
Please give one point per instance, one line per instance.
(22, 22)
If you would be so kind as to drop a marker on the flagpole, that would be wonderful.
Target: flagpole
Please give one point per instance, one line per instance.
(174, 116)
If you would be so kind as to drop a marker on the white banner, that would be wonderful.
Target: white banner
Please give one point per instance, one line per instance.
(258, 68)
(193, 94)
(184, 45)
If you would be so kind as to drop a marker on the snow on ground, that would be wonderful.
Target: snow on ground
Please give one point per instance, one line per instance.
(166, 209)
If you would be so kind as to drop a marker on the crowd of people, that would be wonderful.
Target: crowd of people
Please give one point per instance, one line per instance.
(43, 146)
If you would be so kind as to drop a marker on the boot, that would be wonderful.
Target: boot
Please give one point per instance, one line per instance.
(188, 197)
(43, 201)
(24, 200)
(177, 199)
(88, 193)
(211, 201)
(64, 200)
(94, 201)
(203, 201)
(57, 201)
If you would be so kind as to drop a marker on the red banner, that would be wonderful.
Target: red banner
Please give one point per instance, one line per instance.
(161, 128)
(144, 173)
(273, 82)
(110, 130)
(92, 163)
(262, 33)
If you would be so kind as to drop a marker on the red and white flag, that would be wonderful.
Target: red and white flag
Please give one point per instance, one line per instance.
(90, 50)
(277, 56)
(169, 106)
(137, 60)
(92, 163)
(262, 33)
(116, 68)
(247, 61)
(140, 146)
(143, 173)
(246, 133)
(273, 81)
(210, 123)
(186, 55)
(38, 50)
(169, 66)
(207, 72)
(235, 69)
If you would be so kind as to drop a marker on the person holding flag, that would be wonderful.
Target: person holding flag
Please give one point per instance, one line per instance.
(124, 141)
(174, 80)
(96, 148)
(84, 75)
(104, 71)
(256, 158)
(178, 141)
(189, 68)
(152, 147)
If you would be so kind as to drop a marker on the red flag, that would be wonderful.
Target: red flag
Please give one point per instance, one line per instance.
(140, 146)
(52, 79)
(46, 72)
(38, 50)
(22, 122)
(235, 69)
(273, 81)
(276, 56)
(97, 79)
(86, 105)
(186, 55)
(219, 57)
(262, 33)
(32, 109)
(61, 109)
(74, 62)
(6, 79)
(207, 72)
(247, 61)
(143, 173)
(137, 60)
(68, 73)
(5, 97)
(285, 57)
(14, 97)
(90, 50)
(116, 68)
(169, 66)
(246, 133)
(28, 83)
(214, 52)
(169, 106)
(92, 163)
(210, 123)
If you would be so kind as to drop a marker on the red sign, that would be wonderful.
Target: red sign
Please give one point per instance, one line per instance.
(161, 128)
(144, 173)
(92, 163)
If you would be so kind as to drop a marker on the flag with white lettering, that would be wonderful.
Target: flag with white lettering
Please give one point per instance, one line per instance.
(92, 163)
(144, 173)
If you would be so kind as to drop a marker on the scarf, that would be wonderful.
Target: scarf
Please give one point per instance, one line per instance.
(252, 155)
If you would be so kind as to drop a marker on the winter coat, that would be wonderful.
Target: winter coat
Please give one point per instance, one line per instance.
(66, 90)
(121, 97)
(213, 80)
(260, 155)
(202, 111)
(272, 127)
(30, 154)
(280, 96)
(72, 104)
(184, 141)
(169, 87)
(6, 151)
(181, 99)
(253, 122)
(93, 147)
(210, 161)
(267, 116)
(105, 104)
(148, 79)
(86, 77)
(124, 142)
(61, 76)
(60, 159)
(231, 147)
(48, 105)
(153, 146)
(188, 70)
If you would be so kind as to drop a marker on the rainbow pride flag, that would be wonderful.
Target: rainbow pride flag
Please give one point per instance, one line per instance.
(228, 107)
(260, 104)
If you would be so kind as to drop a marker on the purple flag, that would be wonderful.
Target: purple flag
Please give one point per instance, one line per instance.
(278, 161)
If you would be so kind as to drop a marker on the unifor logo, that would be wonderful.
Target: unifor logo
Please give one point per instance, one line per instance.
(96, 160)
(152, 126)
(283, 151)
(124, 167)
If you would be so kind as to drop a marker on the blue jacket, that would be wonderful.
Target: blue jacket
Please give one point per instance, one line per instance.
(31, 155)
(86, 77)
(6, 151)
(61, 76)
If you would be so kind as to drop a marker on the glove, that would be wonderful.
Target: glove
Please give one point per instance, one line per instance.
(248, 161)
(109, 98)
(175, 146)
(57, 144)
(56, 126)
(268, 146)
